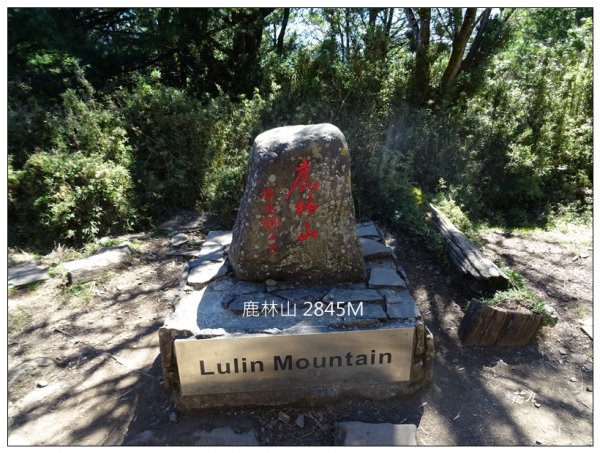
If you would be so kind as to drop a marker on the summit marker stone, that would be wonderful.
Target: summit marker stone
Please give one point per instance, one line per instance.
(296, 219)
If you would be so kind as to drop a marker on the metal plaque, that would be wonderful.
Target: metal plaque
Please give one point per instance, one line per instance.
(251, 363)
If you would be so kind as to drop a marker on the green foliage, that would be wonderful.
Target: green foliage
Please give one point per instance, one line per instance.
(82, 186)
(77, 295)
(118, 115)
(406, 207)
(188, 151)
(521, 295)
(445, 201)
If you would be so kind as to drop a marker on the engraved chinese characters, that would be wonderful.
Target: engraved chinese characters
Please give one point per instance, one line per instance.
(296, 219)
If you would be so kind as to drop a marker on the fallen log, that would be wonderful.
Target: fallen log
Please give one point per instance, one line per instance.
(480, 273)
(88, 269)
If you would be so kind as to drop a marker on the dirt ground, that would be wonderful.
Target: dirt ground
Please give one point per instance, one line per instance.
(84, 368)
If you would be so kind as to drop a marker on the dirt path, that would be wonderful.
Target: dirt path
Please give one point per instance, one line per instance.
(103, 377)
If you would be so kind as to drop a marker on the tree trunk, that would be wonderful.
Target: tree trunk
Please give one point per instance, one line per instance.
(476, 45)
(284, 22)
(481, 275)
(459, 45)
(421, 32)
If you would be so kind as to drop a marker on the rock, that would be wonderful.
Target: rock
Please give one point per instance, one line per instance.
(25, 274)
(382, 277)
(370, 314)
(551, 312)
(179, 239)
(224, 436)
(367, 434)
(589, 367)
(373, 249)
(300, 421)
(589, 388)
(368, 230)
(397, 297)
(219, 237)
(239, 303)
(296, 218)
(173, 417)
(186, 253)
(403, 311)
(402, 273)
(214, 252)
(573, 379)
(284, 417)
(41, 383)
(579, 359)
(538, 405)
(562, 352)
(205, 272)
(353, 295)
(271, 282)
(301, 295)
(400, 304)
(240, 288)
(87, 269)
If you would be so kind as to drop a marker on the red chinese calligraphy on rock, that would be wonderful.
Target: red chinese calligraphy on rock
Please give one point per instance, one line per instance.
(307, 233)
(269, 221)
(304, 182)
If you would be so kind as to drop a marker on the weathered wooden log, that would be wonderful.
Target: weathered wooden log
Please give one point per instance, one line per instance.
(484, 325)
(87, 269)
(481, 273)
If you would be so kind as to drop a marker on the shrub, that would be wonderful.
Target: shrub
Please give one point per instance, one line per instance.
(81, 187)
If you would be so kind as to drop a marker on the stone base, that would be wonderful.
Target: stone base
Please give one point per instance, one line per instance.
(230, 343)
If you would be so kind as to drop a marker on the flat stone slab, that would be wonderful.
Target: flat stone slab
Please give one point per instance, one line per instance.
(298, 296)
(397, 297)
(186, 253)
(218, 237)
(210, 252)
(353, 295)
(402, 311)
(374, 249)
(368, 314)
(382, 277)
(368, 230)
(25, 274)
(179, 239)
(400, 304)
(255, 303)
(206, 271)
(367, 434)
(242, 287)
(224, 436)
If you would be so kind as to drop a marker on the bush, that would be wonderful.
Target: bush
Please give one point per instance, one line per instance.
(81, 187)
(186, 149)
